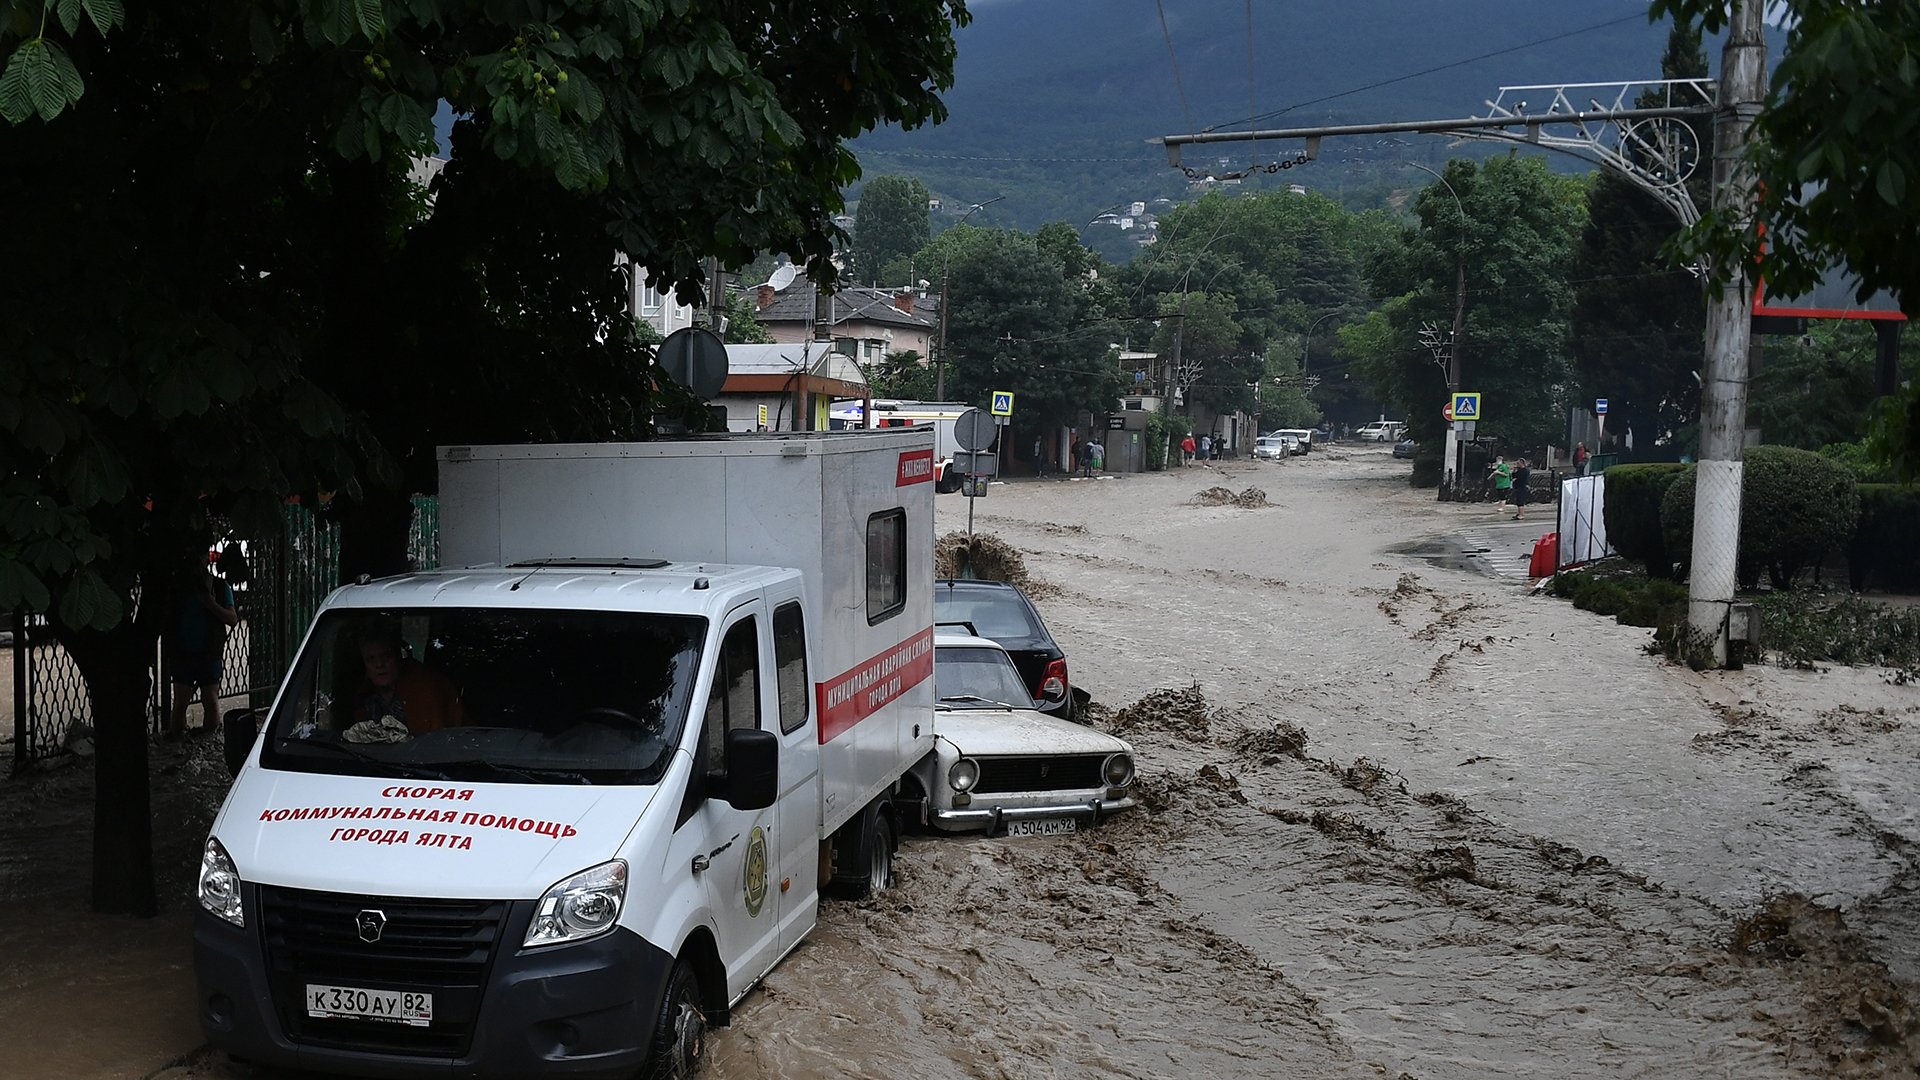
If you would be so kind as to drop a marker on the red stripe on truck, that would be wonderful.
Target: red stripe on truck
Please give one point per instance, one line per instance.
(916, 467)
(867, 688)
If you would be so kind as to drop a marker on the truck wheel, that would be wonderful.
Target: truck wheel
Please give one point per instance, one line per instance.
(868, 867)
(680, 1032)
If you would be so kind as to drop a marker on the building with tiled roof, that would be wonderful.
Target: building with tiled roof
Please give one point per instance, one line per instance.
(865, 323)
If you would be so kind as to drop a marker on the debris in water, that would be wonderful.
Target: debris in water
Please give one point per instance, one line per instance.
(987, 558)
(1271, 744)
(1251, 499)
(1179, 712)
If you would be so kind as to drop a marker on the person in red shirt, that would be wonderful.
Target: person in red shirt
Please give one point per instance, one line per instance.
(401, 687)
(1187, 450)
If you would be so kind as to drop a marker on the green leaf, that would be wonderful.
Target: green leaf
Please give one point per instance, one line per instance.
(93, 476)
(262, 36)
(1891, 183)
(16, 103)
(20, 588)
(106, 14)
(180, 393)
(372, 18)
(70, 15)
(39, 427)
(47, 553)
(87, 603)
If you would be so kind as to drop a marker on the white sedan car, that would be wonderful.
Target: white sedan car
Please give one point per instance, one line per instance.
(1002, 765)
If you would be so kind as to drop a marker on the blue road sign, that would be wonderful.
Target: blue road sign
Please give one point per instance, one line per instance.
(1600, 406)
(1466, 406)
(1002, 403)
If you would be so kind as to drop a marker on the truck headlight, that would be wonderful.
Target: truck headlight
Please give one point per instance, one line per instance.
(219, 888)
(964, 774)
(582, 906)
(1118, 770)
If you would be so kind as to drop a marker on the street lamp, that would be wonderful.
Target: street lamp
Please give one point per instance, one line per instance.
(1453, 449)
(940, 368)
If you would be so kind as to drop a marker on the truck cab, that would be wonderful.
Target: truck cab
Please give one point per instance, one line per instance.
(557, 813)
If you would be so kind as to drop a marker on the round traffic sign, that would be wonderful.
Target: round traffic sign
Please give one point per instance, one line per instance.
(974, 430)
(696, 358)
(1447, 410)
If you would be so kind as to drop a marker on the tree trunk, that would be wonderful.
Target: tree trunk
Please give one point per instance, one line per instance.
(118, 668)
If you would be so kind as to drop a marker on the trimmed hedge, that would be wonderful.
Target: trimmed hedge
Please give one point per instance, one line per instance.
(1885, 549)
(1632, 513)
(1795, 507)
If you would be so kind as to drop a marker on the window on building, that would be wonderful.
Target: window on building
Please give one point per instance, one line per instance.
(650, 302)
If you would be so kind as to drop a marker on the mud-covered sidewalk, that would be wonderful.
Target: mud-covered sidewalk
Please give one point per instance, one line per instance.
(1398, 821)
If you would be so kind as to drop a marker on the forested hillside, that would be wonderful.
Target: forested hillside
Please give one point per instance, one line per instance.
(1055, 99)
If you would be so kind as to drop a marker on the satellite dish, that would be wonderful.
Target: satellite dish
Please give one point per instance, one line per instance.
(783, 276)
(696, 358)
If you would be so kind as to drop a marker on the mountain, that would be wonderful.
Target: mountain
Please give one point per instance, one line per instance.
(1054, 100)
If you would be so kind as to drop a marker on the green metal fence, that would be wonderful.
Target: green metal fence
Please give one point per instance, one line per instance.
(291, 573)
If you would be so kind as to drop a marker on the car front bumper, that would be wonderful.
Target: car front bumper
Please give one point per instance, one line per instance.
(581, 1011)
(992, 819)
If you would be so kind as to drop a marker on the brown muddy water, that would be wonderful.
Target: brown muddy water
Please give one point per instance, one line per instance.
(1398, 821)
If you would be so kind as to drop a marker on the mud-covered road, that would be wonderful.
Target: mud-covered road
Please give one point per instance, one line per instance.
(1399, 821)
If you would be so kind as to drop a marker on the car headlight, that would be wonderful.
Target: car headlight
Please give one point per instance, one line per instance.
(219, 888)
(582, 906)
(1118, 770)
(964, 774)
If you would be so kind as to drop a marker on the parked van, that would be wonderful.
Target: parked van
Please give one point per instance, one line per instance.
(1381, 431)
(556, 811)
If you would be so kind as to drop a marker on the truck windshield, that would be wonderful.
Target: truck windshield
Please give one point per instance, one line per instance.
(488, 694)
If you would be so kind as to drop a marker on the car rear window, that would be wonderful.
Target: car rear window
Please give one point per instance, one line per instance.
(992, 613)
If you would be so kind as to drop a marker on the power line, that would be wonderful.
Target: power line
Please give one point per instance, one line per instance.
(1415, 75)
(1185, 110)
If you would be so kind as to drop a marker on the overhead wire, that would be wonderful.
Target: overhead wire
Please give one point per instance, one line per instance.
(1257, 117)
(1178, 86)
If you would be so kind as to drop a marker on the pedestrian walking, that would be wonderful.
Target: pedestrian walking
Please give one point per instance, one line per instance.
(1186, 450)
(196, 641)
(1502, 474)
(1219, 448)
(1096, 456)
(1039, 457)
(1206, 448)
(1522, 488)
(1580, 458)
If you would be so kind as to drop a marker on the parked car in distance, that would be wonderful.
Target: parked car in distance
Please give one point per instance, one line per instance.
(1273, 447)
(1404, 448)
(1000, 612)
(1302, 435)
(1005, 767)
(1380, 431)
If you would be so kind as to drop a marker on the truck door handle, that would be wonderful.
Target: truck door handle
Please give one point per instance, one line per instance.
(702, 862)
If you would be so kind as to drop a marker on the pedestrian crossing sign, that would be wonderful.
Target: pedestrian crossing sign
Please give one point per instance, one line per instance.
(1466, 407)
(1002, 403)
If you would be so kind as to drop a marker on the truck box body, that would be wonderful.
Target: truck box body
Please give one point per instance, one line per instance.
(804, 500)
(524, 814)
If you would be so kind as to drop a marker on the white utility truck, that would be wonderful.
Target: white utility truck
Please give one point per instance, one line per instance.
(937, 415)
(555, 812)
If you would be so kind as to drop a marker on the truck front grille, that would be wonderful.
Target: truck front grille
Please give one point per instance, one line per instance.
(1075, 772)
(441, 947)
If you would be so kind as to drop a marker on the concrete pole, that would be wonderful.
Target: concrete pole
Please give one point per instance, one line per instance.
(1453, 481)
(1723, 398)
(940, 367)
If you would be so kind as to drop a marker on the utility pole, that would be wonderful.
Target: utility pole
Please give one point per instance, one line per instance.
(1723, 394)
(946, 260)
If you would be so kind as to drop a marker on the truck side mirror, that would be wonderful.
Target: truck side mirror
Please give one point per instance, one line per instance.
(753, 769)
(238, 730)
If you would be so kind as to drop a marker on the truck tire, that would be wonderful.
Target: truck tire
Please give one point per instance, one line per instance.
(865, 866)
(680, 1031)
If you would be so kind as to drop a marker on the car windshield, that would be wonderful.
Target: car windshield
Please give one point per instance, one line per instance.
(506, 695)
(996, 613)
(974, 675)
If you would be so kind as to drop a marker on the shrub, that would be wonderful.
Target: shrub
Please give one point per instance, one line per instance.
(1632, 513)
(1885, 549)
(1630, 599)
(1804, 629)
(1795, 507)
(1860, 461)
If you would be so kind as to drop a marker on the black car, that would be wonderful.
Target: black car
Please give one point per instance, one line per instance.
(1002, 613)
(1404, 448)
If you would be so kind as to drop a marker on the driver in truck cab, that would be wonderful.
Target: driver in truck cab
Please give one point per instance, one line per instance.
(401, 687)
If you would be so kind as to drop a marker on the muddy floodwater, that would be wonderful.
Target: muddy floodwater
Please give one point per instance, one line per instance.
(1398, 820)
